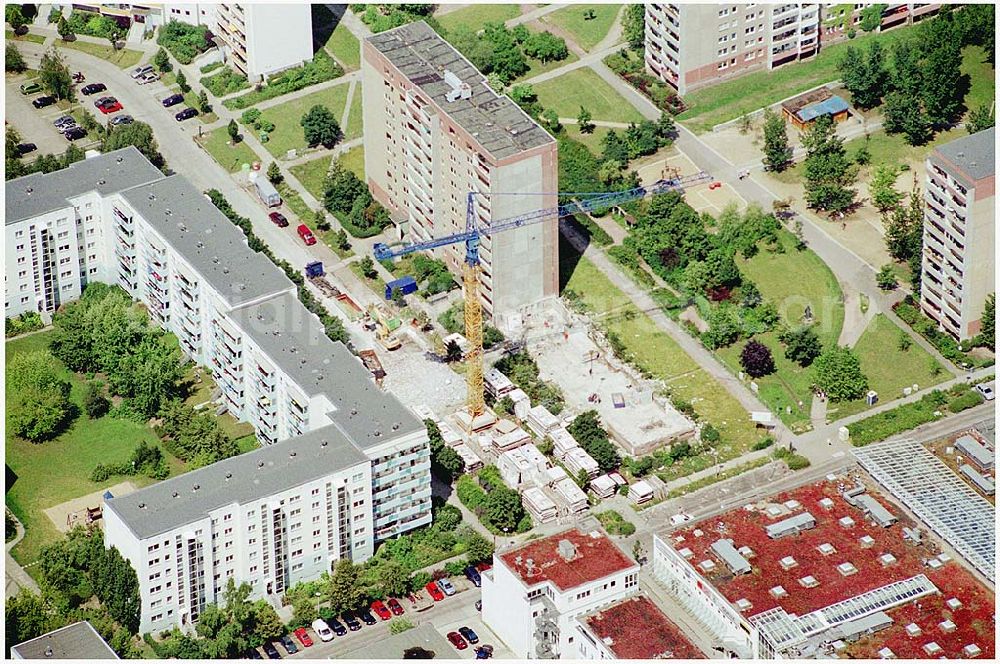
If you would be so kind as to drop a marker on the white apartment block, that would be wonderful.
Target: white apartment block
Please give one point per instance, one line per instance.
(959, 259)
(195, 13)
(434, 131)
(262, 39)
(353, 464)
(535, 593)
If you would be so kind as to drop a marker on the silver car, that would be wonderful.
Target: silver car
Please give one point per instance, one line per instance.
(986, 389)
(139, 72)
(446, 587)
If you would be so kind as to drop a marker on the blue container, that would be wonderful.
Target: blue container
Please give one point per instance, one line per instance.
(314, 269)
(405, 284)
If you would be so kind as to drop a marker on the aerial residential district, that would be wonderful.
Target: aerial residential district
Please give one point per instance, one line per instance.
(514, 331)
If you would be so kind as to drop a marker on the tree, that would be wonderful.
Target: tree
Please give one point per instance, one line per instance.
(756, 360)
(864, 77)
(507, 59)
(117, 586)
(883, 188)
(234, 132)
(274, 175)
(138, 134)
(26, 616)
(802, 345)
(886, 278)
(62, 27)
(777, 151)
(907, 73)
(346, 594)
(505, 405)
(446, 463)
(54, 76)
(904, 228)
(38, 396)
(452, 351)
(323, 224)
(583, 120)
(161, 60)
(342, 188)
(267, 624)
(182, 82)
(979, 119)
(871, 18)
(15, 17)
(203, 104)
(94, 402)
(828, 172)
(723, 328)
(634, 26)
(478, 548)
(320, 127)
(303, 612)
(987, 333)
(903, 115)
(367, 266)
(13, 60)
(393, 579)
(503, 508)
(586, 429)
(837, 372)
(546, 47)
(941, 97)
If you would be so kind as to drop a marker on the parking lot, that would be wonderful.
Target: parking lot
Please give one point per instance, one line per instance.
(34, 125)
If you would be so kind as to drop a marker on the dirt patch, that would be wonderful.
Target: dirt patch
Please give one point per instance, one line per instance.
(65, 516)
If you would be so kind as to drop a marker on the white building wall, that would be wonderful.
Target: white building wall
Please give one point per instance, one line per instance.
(265, 38)
(201, 13)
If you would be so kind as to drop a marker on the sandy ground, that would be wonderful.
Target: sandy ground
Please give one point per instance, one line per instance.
(701, 197)
(59, 513)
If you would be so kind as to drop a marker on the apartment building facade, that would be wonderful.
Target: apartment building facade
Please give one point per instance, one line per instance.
(262, 39)
(327, 430)
(535, 593)
(434, 131)
(959, 263)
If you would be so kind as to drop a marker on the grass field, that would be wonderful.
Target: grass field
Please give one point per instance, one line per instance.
(662, 357)
(536, 67)
(191, 100)
(354, 160)
(586, 33)
(287, 134)
(312, 175)
(344, 47)
(591, 140)
(888, 368)
(475, 17)
(355, 117)
(583, 87)
(230, 157)
(28, 37)
(55, 471)
(727, 101)
(124, 58)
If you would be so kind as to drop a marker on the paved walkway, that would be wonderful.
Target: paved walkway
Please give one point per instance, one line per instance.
(16, 577)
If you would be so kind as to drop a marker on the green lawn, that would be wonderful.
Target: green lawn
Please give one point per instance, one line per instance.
(583, 87)
(28, 37)
(355, 117)
(293, 201)
(591, 140)
(661, 356)
(476, 16)
(354, 160)
(344, 47)
(727, 101)
(287, 134)
(50, 473)
(888, 368)
(124, 58)
(312, 174)
(982, 77)
(587, 33)
(536, 67)
(191, 100)
(230, 157)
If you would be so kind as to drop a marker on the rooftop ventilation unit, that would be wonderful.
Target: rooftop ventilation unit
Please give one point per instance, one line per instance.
(459, 90)
(566, 550)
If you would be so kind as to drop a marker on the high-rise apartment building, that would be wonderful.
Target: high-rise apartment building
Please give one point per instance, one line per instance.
(262, 39)
(344, 465)
(693, 45)
(435, 131)
(959, 265)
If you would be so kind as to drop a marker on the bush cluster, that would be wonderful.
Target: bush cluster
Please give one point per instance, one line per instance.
(321, 68)
(184, 41)
(144, 460)
(29, 321)
(224, 83)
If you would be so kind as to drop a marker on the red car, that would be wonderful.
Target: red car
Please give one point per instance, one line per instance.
(395, 606)
(380, 610)
(306, 235)
(457, 640)
(108, 105)
(303, 636)
(435, 592)
(278, 219)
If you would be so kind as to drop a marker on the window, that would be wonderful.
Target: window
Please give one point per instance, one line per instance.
(20, 247)
(19, 234)
(631, 580)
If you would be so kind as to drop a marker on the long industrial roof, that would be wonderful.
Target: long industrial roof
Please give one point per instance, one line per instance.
(496, 122)
(975, 155)
(38, 193)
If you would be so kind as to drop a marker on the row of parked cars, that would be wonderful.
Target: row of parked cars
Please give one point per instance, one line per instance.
(146, 74)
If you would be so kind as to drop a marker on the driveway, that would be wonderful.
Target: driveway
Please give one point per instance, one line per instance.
(34, 125)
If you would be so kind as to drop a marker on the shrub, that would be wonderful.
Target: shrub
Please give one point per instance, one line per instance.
(763, 443)
(29, 321)
(184, 41)
(211, 67)
(91, 24)
(968, 400)
(225, 82)
(95, 404)
(399, 625)
(321, 68)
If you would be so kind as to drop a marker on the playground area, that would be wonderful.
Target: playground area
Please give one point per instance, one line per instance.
(85, 510)
(703, 197)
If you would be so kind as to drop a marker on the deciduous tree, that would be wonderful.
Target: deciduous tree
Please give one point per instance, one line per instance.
(837, 372)
(829, 174)
(802, 345)
(138, 134)
(54, 76)
(346, 594)
(13, 60)
(320, 127)
(777, 151)
(586, 429)
(980, 119)
(38, 396)
(883, 188)
(756, 360)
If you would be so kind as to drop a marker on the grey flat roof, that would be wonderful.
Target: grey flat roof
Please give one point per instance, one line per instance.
(870, 623)
(237, 480)
(975, 154)
(499, 124)
(985, 483)
(77, 641)
(973, 448)
(733, 559)
(214, 246)
(296, 342)
(785, 526)
(38, 193)
(877, 511)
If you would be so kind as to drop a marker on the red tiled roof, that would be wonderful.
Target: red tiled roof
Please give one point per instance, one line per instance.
(636, 629)
(596, 558)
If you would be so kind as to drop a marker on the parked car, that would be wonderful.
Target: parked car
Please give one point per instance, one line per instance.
(62, 129)
(141, 70)
(271, 651)
(122, 120)
(148, 77)
(367, 617)
(484, 651)
(252, 653)
(25, 148)
(473, 575)
(337, 626)
(469, 635)
(352, 622)
(63, 121)
(278, 219)
(31, 87)
(380, 609)
(44, 101)
(186, 114)
(108, 105)
(395, 606)
(322, 630)
(93, 88)
(457, 641)
(446, 587)
(303, 636)
(74, 133)
(986, 389)
(289, 645)
(172, 100)
(306, 235)
(434, 591)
